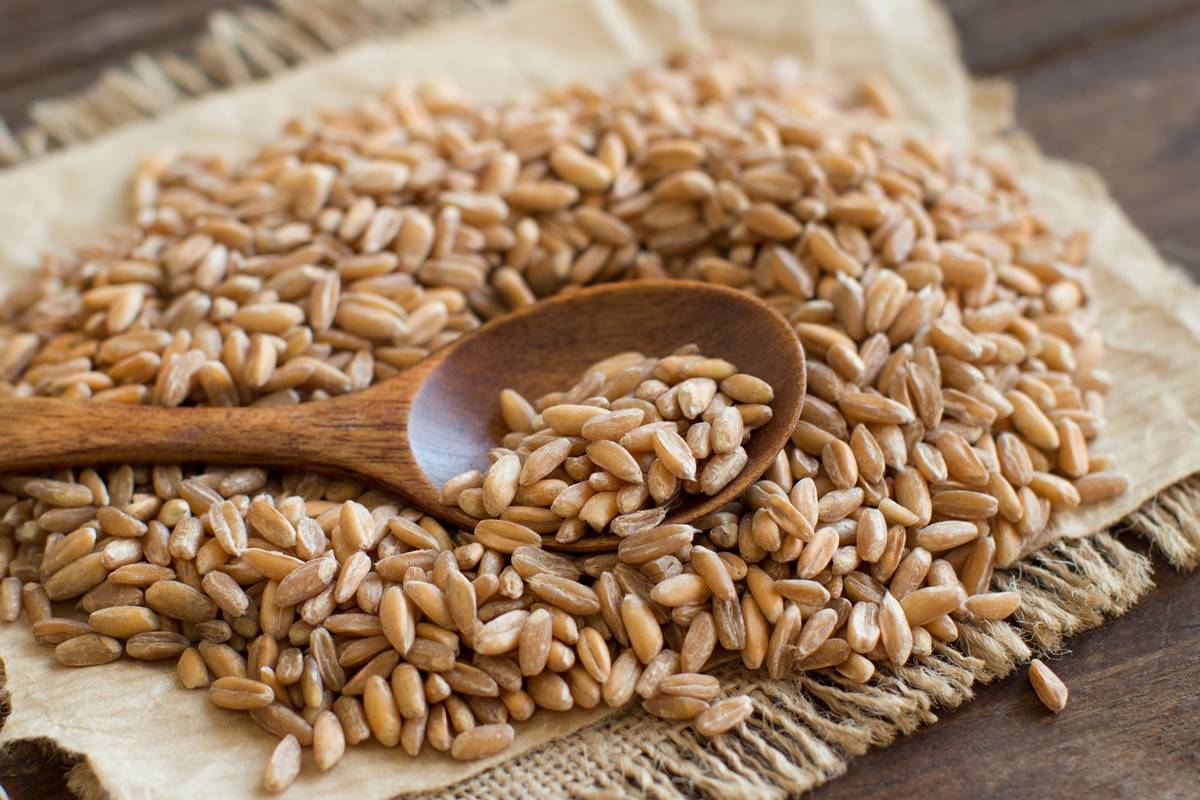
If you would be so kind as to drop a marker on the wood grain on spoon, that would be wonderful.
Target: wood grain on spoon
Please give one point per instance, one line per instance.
(410, 433)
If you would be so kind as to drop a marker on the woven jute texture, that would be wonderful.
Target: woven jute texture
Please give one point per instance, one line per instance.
(805, 728)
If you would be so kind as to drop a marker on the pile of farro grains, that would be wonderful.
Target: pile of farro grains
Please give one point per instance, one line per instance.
(954, 385)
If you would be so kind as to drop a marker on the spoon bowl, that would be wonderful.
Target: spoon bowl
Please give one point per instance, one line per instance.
(455, 419)
(412, 432)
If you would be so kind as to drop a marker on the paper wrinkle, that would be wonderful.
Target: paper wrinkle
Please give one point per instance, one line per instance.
(144, 737)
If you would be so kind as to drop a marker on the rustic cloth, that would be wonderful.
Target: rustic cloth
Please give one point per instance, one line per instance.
(140, 736)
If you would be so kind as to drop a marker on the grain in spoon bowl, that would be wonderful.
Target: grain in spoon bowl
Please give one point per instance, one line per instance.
(955, 392)
(618, 450)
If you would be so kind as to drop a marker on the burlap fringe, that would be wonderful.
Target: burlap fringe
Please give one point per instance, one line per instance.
(1171, 520)
(239, 45)
(805, 728)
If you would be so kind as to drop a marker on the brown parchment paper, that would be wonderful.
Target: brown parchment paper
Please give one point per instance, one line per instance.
(145, 738)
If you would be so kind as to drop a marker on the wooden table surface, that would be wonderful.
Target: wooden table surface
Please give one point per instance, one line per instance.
(1111, 83)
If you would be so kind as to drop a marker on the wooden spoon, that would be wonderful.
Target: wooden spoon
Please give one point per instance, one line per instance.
(410, 433)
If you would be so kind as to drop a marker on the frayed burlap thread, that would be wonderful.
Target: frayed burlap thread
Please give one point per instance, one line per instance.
(239, 45)
(1171, 520)
(1073, 586)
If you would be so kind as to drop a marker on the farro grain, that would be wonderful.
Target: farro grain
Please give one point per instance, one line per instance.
(815, 631)
(839, 504)
(270, 563)
(222, 660)
(76, 578)
(613, 424)
(501, 634)
(271, 524)
(500, 484)
(910, 573)
(698, 644)
(1097, 486)
(674, 708)
(803, 592)
(36, 602)
(136, 574)
(645, 635)
(1049, 687)
(306, 581)
(550, 691)
(55, 630)
(58, 493)
(977, 572)
(191, 669)
(240, 693)
(586, 691)
(70, 548)
(830, 653)
(437, 729)
(690, 684)
(721, 469)
(645, 546)
(993, 605)
(710, 567)
(482, 741)
(790, 518)
(329, 740)
(283, 766)
(925, 605)
(61, 520)
(430, 601)
(350, 713)
(1031, 422)
(679, 590)
(87, 650)
(564, 593)
(922, 641)
(122, 622)
(529, 561)
(380, 711)
(354, 653)
(779, 655)
(593, 654)
(10, 599)
(381, 665)
(413, 733)
(817, 554)
(674, 454)
(946, 535)
(723, 716)
(662, 665)
(1061, 493)
(504, 536)
(862, 627)
(857, 668)
(894, 632)
(408, 692)
(533, 649)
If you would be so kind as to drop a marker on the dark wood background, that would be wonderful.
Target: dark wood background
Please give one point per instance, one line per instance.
(1112, 83)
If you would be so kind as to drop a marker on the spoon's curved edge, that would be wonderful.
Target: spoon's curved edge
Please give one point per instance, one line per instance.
(765, 442)
(601, 543)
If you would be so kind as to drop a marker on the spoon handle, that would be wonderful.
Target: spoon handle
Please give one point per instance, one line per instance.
(48, 432)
